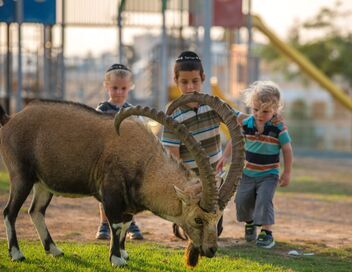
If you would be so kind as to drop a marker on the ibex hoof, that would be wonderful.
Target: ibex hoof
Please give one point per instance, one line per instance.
(124, 254)
(54, 251)
(118, 261)
(16, 255)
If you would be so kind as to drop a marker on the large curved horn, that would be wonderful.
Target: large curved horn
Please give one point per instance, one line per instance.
(226, 114)
(210, 194)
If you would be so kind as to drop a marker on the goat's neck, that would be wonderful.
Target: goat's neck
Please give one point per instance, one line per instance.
(158, 192)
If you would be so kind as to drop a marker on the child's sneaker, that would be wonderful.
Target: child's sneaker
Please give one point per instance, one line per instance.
(134, 232)
(250, 232)
(103, 232)
(265, 240)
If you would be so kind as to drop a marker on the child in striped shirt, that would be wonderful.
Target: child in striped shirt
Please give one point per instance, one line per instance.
(200, 119)
(263, 141)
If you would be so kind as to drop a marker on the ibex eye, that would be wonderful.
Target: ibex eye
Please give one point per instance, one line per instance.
(198, 221)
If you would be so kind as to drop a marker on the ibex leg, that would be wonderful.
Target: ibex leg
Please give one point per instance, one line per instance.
(19, 191)
(41, 200)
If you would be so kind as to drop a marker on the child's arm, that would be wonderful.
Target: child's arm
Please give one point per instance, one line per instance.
(227, 152)
(225, 155)
(174, 151)
(288, 159)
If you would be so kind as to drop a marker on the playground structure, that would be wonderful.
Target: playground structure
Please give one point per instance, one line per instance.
(179, 24)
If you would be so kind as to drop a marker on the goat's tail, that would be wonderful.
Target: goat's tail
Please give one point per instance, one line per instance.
(4, 117)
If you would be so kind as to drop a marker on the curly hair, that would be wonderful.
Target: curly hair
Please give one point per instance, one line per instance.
(267, 93)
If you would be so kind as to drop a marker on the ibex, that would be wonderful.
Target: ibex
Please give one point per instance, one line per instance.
(69, 149)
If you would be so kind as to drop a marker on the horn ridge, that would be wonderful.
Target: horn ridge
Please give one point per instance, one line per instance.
(209, 199)
(226, 114)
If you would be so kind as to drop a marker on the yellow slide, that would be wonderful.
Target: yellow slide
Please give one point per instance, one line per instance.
(308, 67)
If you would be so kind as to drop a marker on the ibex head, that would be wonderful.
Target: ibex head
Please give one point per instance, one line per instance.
(199, 224)
(200, 212)
(203, 236)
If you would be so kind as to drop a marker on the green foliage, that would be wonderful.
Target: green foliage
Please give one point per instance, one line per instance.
(152, 257)
(298, 119)
(331, 51)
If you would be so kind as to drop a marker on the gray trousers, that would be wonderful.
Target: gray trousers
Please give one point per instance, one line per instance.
(254, 199)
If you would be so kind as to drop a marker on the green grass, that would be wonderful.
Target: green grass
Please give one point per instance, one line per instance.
(321, 179)
(152, 257)
(309, 184)
(4, 182)
(327, 184)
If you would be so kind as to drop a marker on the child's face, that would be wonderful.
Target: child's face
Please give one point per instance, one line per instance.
(189, 81)
(262, 114)
(118, 88)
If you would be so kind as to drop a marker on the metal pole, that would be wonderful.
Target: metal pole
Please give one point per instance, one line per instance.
(249, 42)
(8, 70)
(46, 77)
(19, 17)
(230, 35)
(62, 56)
(119, 25)
(163, 92)
(208, 20)
(181, 27)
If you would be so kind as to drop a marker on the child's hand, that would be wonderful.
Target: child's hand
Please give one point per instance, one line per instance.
(278, 118)
(284, 179)
(220, 165)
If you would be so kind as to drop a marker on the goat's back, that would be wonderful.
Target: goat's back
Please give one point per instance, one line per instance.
(65, 142)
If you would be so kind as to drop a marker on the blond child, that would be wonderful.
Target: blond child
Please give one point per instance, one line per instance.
(118, 83)
(263, 141)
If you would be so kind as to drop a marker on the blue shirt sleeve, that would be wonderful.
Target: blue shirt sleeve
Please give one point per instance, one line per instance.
(236, 112)
(284, 136)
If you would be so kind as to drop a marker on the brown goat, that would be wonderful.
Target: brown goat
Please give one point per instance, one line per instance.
(70, 149)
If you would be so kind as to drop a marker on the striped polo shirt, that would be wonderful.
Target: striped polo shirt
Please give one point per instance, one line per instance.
(203, 123)
(263, 150)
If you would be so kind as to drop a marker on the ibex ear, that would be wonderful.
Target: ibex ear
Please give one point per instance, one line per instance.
(186, 199)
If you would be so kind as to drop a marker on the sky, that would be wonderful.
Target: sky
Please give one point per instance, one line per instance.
(279, 15)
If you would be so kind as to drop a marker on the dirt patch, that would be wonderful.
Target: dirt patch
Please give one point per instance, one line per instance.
(300, 218)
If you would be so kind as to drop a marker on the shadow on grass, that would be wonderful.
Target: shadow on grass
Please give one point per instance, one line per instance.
(324, 258)
(241, 257)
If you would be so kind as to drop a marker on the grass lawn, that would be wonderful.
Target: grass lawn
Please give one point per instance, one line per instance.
(153, 257)
(321, 182)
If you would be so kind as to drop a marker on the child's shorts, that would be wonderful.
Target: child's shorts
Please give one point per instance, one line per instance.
(254, 199)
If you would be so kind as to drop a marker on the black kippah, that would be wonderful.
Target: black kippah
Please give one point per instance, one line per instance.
(188, 56)
(118, 66)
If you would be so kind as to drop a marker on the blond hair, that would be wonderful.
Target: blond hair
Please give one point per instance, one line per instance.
(267, 93)
(121, 73)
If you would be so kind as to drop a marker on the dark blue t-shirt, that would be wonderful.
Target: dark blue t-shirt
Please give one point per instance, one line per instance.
(111, 108)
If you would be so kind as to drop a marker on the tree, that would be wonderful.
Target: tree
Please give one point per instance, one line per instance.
(331, 51)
